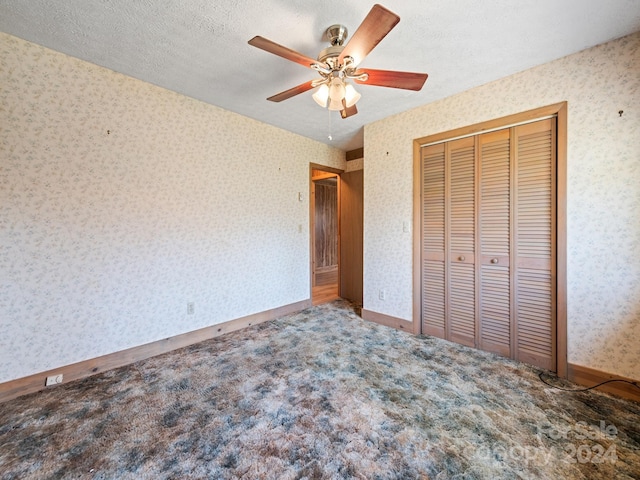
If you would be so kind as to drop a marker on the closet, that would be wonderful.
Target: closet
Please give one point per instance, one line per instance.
(488, 241)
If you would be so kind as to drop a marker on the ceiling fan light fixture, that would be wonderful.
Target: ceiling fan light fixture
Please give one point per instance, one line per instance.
(322, 95)
(337, 93)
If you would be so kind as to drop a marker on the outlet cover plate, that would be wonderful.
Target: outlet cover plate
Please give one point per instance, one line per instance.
(53, 380)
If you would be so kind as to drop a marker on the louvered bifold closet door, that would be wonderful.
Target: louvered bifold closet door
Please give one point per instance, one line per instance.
(433, 240)
(535, 244)
(495, 234)
(461, 298)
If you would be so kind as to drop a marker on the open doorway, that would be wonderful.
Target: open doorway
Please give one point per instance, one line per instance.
(325, 234)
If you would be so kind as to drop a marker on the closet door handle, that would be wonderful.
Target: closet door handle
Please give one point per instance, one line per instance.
(494, 260)
(461, 258)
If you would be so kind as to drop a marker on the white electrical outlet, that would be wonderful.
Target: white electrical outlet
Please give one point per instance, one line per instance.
(53, 380)
(381, 294)
(190, 308)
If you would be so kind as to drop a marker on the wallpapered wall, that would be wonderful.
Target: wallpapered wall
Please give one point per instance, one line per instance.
(120, 202)
(603, 193)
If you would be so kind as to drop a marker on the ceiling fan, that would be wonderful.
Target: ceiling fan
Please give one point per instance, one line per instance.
(339, 63)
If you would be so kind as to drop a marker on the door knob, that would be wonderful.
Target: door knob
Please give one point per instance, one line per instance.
(494, 260)
(461, 258)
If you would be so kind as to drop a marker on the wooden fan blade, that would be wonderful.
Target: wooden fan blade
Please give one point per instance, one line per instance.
(376, 25)
(392, 79)
(292, 92)
(347, 112)
(284, 52)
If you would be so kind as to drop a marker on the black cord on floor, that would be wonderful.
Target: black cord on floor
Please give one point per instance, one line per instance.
(635, 384)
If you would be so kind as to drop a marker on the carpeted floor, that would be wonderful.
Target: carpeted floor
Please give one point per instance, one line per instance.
(319, 394)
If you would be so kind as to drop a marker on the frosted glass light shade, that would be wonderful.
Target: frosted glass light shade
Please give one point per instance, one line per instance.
(335, 105)
(351, 96)
(321, 95)
(336, 90)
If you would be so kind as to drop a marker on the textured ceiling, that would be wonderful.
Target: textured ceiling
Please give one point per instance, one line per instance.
(199, 47)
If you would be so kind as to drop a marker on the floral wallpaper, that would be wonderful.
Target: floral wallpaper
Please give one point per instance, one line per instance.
(353, 165)
(603, 204)
(121, 202)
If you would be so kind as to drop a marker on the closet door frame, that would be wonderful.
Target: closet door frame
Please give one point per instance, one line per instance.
(559, 110)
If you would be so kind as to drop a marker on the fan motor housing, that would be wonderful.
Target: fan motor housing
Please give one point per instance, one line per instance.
(330, 55)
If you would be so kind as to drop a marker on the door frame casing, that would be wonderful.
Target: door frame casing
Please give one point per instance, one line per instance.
(559, 110)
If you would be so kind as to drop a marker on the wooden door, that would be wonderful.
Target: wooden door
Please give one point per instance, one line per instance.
(488, 242)
(351, 226)
(495, 237)
(460, 163)
(535, 243)
(326, 231)
(449, 241)
(433, 240)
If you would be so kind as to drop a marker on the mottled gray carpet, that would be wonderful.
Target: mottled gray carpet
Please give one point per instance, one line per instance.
(319, 394)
